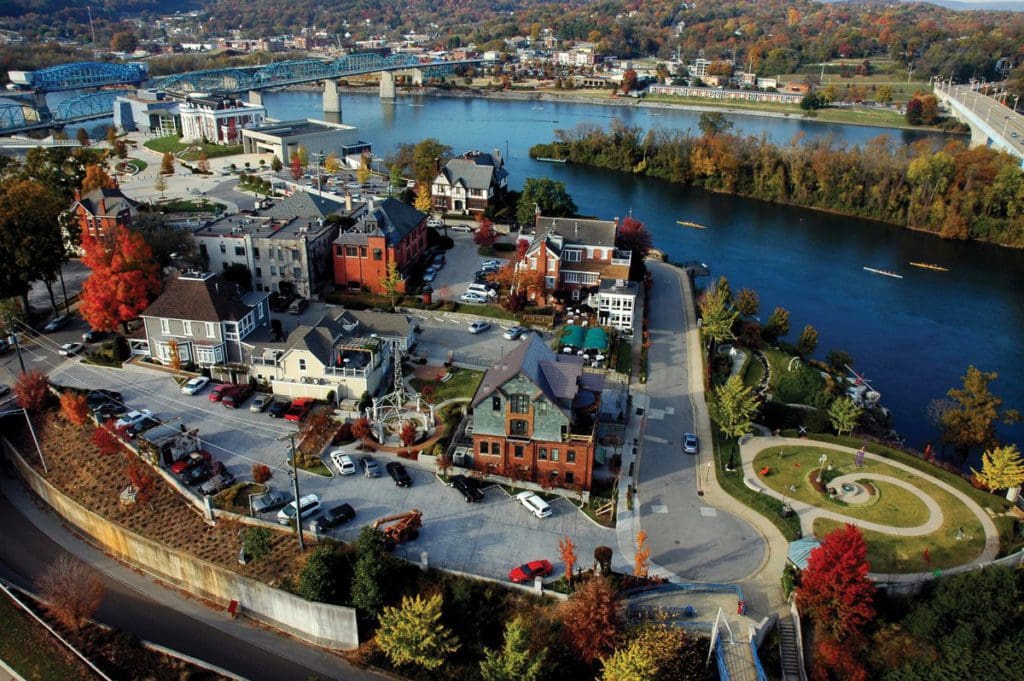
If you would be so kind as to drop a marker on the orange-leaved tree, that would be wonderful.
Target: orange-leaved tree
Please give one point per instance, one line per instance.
(591, 621)
(74, 407)
(104, 439)
(124, 279)
(361, 428)
(32, 389)
(96, 178)
(567, 552)
(641, 559)
(141, 478)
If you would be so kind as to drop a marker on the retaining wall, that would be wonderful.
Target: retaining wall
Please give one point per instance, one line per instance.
(326, 625)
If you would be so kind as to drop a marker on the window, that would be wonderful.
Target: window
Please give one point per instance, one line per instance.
(483, 447)
(256, 253)
(569, 479)
(302, 364)
(273, 270)
(296, 256)
(239, 250)
(351, 251)
(339, 251)
(259, 272)
(496, 448)
(187, 328)
(223, 248)
(210, 333)
(297, 272)
(570, 456)
(517, 427)
(554, 454)
(519, 404)
(496, 403)
(517, 452)
(378, 254)
(542, 453)
(571, 255)
(165, 326)
(362, 251)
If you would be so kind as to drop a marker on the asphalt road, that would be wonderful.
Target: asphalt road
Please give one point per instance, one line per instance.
(686, 535)
(1004, 121)
(154, 613)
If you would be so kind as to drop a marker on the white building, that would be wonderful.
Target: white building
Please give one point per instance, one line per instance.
(615, 302)
(283, 138)
(218, 120)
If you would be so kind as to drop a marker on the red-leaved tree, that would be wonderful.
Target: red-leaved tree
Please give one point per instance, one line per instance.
(296, 167)
(408, 434)
(591, 620)
(74, 407)
(567, 552)
(633, 236)
(485, 234)
(32, 389)
(104, 439)
(125, 278)
(141, 478)
(361, 428)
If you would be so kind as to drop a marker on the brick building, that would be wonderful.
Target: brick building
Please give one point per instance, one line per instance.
(391, 232)
(101, 210)
(535, 417)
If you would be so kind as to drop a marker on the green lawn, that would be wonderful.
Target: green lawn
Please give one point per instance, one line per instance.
(624, 357)
(754, 373)
(792, 381)
(790, 466)
(30, 650)
(190, 152)
(463, 383)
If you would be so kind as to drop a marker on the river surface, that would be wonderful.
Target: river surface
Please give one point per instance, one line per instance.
(912, 338)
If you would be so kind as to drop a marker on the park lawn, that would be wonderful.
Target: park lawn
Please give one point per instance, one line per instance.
(864, 116)
(463, 383)
(789, 467)
(30, 650)
(174, 145)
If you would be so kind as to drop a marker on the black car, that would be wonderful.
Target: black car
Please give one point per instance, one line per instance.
(398, 473)
(197, 474)
(335, 516)
(108, 410)
(277, 409)
(469, 488)
(144, 424)
(97, 397)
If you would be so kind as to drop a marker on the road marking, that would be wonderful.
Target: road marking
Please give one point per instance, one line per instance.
(708, 512)
(656, 414)
(659, 508)
(670, 410)
(656, 439)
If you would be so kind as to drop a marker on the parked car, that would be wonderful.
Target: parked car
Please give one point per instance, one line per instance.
(195, 385)
(371, 468)
(482, 275)
(90, 336)
(527, 571)
(191, 461)
(196, 475)
(461, 227)
(71, 349)
(95, 398)
(297, 306)
(438, 261)
(332, 517)
(5, 345)
(218, 392)
(217, 483)
(534, 504)
(343, 462)
(144, 424)
(469, 488)
(236, 397)
(108, 410)
(260, 402)
(482, 290)
(479, 327)
(492, 264)
(133, 417)
(57, 323)
(429, 274)
(299, 408)
(4, 389)
(514, 333)
(690, 444)
(278, 408)
(307, 506)
(435, 222)
(398, 473)
(470, 297)
(273, 499)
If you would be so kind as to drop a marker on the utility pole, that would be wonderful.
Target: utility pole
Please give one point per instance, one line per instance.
(14, 335)
(295, 485)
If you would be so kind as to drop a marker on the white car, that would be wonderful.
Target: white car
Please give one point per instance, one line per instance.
(343, 462)
(195, 385)
(491, 265)
(514, 333)
(132, 418)
(461, 228)
(470, 297)
(534, 504)
(434, 222)
(71, 349)
(479, 327)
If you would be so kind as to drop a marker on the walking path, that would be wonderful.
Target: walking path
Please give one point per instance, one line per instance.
(750, 447)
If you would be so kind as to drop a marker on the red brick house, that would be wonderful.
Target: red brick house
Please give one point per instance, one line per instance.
(535, 417)
(392, 232)
(101, 210)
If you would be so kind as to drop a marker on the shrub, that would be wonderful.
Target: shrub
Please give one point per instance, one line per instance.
(344, 434)
(261, 472)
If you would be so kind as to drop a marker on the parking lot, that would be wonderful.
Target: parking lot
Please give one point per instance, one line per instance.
(487, 538)
(461, 262)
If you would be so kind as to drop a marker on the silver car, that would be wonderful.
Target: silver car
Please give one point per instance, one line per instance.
(260, 402)
(273, 499)
(371, 468)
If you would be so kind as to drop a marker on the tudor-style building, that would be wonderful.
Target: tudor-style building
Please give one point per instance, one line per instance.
(469, 183)
(535, 417)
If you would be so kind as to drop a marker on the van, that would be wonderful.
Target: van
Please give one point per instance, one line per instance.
(482, 290)
(308, 505)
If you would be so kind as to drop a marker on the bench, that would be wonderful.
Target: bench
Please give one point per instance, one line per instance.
(753, 484)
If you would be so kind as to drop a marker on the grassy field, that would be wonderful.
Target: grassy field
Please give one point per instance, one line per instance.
(754, 373)
(191, 152)
(463, 383)
(30, 650)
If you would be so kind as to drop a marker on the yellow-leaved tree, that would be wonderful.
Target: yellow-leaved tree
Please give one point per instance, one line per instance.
(422, 202)
(413, 633)
(1002, 468)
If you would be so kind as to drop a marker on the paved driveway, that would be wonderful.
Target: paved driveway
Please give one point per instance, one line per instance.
(462, 261)
(687, 536)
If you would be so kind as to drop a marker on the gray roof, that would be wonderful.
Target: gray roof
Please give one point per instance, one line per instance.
(389, 324)
(303, 205)
(113, 199)
(395, 220)
(556, 376)
(579, 231)
(476, 172)
(320, 337)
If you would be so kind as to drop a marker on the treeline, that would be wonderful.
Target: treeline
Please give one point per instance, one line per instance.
(954, 192)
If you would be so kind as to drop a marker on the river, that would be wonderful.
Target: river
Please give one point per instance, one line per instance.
(912, 338)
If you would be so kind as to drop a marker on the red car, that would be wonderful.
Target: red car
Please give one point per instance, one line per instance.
(190, 461)
(236, 396)
(217, 394)
(299, 408)
(525, 573)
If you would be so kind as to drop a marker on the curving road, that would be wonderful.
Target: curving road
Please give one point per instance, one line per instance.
(33, 539)
(687, 536)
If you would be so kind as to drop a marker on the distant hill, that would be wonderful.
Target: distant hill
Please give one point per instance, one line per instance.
(18, 8)
(1006, 6)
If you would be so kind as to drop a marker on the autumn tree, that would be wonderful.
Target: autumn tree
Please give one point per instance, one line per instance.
(83, 137)
(484, 235)
(1001, 468)
(361, 428)
(413, 633)
(515, 661)
(633, 236)
(174, 363)
(96, 178)
(74, 407)
(408, 434)
(391, 283)
(124, 278)
(717, 312)
(591, 623)
(140, 477)
(747, 302)
(332, 164)
(808, 341)
(642, 557)
(628, 81)
(167, 164)
(427, 157)
(732, 407)
(970, 420)
(657, 653)
(296, 166)
(124, 41)
(423, 202)
(32, 390)
(363, 171)
(777, 325)
(317, 430)
(72, 591)
(303, 155)
(843, 414)
(105, 441)
(567, 552)
(160, 184)
(203, 164)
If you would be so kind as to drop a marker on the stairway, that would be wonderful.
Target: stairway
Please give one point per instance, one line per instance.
(788, 652)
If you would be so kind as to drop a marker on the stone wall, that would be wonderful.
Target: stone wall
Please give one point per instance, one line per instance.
(326, 625)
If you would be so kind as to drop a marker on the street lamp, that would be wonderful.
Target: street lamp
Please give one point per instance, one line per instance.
(822, 460)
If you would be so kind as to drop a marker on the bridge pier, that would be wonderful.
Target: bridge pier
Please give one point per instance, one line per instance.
(332, 100)
(417, 77)
(387, 85)
(256, 97)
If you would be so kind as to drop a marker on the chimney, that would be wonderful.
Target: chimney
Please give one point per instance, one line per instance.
(497, 158)
(78, 194)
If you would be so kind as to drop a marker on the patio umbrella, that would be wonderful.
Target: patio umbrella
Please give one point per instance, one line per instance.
(573, 336)
(596, 339)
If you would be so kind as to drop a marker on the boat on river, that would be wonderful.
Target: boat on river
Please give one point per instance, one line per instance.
(687, 223)
(551, 160)
(930, 266)
(884, 273)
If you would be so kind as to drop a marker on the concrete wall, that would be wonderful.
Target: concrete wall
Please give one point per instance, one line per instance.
(330, 626)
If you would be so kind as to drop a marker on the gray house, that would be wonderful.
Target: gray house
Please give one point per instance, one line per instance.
(207, 317)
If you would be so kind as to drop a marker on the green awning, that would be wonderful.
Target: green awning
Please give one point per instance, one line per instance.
(573, 336)
(596, 339)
